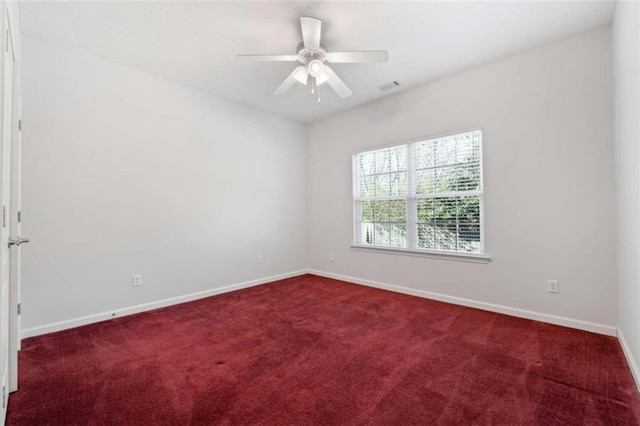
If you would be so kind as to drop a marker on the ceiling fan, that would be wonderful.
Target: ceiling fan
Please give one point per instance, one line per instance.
(313, 57)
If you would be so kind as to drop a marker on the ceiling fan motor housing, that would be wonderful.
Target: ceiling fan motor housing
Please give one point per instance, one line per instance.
(306, 55)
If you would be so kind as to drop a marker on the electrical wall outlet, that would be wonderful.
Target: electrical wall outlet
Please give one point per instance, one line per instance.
(259, 258)
(136, 280)
(332, 257)
(553, 286)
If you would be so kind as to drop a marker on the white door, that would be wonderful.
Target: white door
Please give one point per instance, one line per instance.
(15, 219)
(5, 188)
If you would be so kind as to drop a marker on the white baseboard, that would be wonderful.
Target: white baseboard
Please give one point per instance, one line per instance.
(521, 313)
(630, 359)
(89, 319)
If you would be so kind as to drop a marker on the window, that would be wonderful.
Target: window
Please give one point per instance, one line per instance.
(421, 196)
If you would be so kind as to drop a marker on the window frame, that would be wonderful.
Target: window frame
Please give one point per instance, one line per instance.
(412, 198)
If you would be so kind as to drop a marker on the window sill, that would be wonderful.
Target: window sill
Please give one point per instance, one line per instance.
(445, 255)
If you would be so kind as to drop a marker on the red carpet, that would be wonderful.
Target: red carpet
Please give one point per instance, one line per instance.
(310, 350)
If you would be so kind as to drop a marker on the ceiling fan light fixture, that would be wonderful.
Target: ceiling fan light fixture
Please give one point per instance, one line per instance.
(301, 75)
(315, 68)
(322, 78)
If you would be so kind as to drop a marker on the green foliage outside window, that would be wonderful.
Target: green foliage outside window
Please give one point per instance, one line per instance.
(446, 193)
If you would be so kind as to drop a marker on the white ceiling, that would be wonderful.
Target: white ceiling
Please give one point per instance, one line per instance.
(195, 43)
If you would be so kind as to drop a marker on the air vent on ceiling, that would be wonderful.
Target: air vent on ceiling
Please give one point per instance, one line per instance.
(389, 86)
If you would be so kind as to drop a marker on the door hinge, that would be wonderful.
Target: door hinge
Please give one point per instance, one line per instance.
(4, 397)
(4, 216)
(20, 125)
(19, 216)
(19, 308)
(6, 41)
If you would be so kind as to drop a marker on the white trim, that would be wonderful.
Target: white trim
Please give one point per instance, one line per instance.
(89, 319)
(520, 313)
(435, 254)
(633, 366)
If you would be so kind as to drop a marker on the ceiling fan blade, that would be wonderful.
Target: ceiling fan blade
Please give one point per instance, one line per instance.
(362, 57)
(337, 84)
(311, 28)
(296, 75)
(265, 58)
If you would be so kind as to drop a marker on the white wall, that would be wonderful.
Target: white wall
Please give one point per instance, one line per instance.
(13, 10)
(549, 190)
(626, 55)
(127, 173)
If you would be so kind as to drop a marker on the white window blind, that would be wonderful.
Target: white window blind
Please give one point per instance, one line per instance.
(424, 195)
